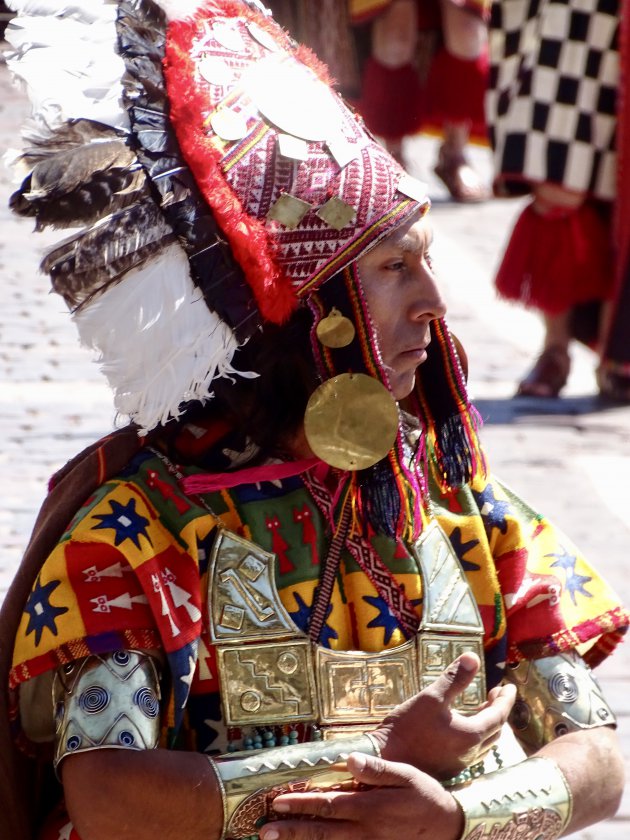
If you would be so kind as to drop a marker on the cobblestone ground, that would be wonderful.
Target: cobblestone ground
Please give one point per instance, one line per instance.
(571, 457)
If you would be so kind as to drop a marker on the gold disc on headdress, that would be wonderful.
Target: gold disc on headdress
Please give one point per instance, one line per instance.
(335, 330)
(351, 421)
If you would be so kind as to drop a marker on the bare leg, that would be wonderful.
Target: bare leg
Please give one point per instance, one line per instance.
(395, 34)
(394, 42)
(549, 374)
(464, 33)
(465, 37)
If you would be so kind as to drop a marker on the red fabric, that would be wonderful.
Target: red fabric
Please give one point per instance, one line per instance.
(456, 90)
(392, 100)
(557, 260)
(616, 356)
(214, 482)
(395, 104)
(622, 202)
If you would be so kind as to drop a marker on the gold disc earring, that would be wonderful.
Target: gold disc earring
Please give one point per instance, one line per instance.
(335, 330)
(351, 421)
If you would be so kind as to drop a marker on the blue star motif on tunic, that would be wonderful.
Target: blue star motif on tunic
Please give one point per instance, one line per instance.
(302, 616)
(384, 619)
(125, 521)
(42, 614)
(492, 511)
(575, 582)
(327, 633)
(461, 548)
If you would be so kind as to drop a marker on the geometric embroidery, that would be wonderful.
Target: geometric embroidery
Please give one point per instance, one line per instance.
(125, 521)
(575, 582)
(42, 614)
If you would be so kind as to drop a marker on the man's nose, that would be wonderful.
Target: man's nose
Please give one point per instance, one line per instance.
(428, 301)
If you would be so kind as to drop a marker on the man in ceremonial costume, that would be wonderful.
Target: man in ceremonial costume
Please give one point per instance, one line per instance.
(288, 600)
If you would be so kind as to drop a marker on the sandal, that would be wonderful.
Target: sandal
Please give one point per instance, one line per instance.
(461, 180)
(548, 376)
(613, 387)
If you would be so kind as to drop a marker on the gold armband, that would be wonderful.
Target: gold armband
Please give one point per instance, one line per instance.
(556, 695)
(531, 801)
(250, 781)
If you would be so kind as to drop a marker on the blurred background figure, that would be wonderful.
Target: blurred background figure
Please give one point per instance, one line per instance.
(4, 18)
(558, 123)
(324, 25)
(408, 66)
(427, 68)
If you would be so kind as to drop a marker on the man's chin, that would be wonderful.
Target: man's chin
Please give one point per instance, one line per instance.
(402, 386)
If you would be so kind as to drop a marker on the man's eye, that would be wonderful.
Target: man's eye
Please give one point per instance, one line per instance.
(397, 265)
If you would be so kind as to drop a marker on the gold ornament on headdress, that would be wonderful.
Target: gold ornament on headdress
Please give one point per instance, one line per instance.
(351, 421)
(335, 330)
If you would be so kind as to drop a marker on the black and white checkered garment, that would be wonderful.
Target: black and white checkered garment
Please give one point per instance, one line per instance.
(553, 83)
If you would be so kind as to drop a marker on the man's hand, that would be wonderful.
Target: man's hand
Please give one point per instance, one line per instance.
(404, 803)
(428, 734)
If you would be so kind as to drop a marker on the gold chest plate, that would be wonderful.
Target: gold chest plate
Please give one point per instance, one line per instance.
(272, 674)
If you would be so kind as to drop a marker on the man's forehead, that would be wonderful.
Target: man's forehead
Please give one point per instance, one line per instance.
(412, 235)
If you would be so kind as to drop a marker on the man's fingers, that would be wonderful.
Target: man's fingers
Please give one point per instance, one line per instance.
(456, 678)
(494, 714)
(501, 703)
(370, 771)
(375, 771)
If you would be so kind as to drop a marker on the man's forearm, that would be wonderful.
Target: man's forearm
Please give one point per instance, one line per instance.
(142, 795)
(592, 764)
(567, 785)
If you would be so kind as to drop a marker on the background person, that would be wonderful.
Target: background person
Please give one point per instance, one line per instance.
(559, 128)
(441, 86)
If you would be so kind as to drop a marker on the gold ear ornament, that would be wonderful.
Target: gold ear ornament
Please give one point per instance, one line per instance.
(351, 421)
(335, 330)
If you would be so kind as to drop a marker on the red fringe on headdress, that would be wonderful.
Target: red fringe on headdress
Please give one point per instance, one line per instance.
(558, 259)
(247, 235)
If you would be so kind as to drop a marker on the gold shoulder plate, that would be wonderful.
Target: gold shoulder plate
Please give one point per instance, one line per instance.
(243, 602)
(448, 603)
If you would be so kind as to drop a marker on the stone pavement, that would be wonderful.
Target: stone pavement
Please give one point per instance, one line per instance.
(570, 456)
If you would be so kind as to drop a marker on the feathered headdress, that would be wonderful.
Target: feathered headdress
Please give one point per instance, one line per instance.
(215, 176)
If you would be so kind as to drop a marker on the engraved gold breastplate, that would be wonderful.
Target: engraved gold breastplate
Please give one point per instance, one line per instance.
(272, 674)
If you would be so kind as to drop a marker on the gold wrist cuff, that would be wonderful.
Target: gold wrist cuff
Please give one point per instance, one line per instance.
(250, 781)
(531, 801)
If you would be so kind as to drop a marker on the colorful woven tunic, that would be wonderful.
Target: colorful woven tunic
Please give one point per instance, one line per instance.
(130, 572)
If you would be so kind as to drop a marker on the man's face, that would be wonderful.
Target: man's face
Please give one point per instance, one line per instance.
(403, 298)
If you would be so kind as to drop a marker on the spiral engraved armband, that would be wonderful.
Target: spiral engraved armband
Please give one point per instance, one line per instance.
(250, 781)
(557, 694)
(531, 801)
(106, 701)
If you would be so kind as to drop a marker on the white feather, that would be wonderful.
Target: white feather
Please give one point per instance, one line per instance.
(84, 9)
(69, 63)
(159, 343)
(179, 9)
(182, 9)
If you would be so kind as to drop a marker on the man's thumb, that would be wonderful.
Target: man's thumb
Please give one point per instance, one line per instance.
(456, 678)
